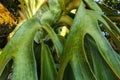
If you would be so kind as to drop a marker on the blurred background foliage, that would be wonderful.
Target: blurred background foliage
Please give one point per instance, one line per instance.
(8, 19)
(11, 5)
(111, 8)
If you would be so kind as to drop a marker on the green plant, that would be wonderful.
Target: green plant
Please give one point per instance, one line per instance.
(84, 55)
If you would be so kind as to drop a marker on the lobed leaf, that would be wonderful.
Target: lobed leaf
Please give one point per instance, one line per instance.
(73, 51)
(99, 66)
(20, 49)
(48, 67)
(55, 39)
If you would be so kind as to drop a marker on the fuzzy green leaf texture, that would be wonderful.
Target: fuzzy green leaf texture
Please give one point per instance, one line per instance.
(86, 54)
(20, 49)
(48, 67)
(84, 61)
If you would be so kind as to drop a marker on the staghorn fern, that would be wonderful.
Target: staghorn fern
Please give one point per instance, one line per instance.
(85, 54)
